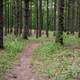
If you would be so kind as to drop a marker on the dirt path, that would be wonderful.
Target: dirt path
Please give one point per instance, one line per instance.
(23, 70)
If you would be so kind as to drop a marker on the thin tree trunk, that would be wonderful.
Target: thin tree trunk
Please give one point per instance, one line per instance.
(79, 18)
(37, 26)
(16, 18)
(54, 29)
(47, 27)
(20, 17)
(41, 17)
(30, 18)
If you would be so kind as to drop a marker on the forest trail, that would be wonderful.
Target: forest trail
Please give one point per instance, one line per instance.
(23, 70)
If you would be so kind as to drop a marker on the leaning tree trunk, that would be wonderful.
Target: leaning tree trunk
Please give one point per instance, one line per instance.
(1, 23)
(26, 19)
(59, 37)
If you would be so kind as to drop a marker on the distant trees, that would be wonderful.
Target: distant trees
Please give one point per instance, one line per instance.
(1, 23)
(23, 16)
(39, 18)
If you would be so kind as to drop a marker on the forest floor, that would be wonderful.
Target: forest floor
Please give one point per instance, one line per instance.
(15, 50)
(42, 59)
(23, 70)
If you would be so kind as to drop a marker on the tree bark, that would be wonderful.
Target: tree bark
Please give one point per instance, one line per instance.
(1, 23)
(59, 37)
(26, 19)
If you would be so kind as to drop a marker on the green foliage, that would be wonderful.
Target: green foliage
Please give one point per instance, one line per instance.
(50, 48)
(13, 43)
(57, 62)
(71, 39)
(13, 46)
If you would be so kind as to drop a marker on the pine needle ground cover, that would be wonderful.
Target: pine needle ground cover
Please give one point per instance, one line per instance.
(58, 62)
(13, 46)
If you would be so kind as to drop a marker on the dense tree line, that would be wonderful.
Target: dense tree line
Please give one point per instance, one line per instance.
(23, 16)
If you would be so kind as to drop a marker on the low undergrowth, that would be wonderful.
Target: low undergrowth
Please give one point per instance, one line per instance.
(57, 62)
(13, 46)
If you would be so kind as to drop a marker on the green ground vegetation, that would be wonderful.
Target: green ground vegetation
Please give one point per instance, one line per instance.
(58, 62)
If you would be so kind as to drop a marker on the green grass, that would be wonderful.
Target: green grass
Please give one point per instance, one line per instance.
(13, 46)
(50, 59)
(71, 39)
(57, 62)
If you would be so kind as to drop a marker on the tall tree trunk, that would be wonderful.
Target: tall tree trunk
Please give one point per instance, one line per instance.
(15, 18)
(26, 19)
(20, 17)
(79, 17)
(41, 17)
(8, 15)
(47, 27)
(30, 18)
(68, 19)
(72, 16)
(5, 17)
(37, 21)
(11, 27)
(1, 23)
(54, 27)
(59, 37)
(66, 15)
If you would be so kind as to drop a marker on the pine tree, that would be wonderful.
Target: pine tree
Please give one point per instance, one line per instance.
(1, 23)
(55, 6)
(40, 17)
(47, 27)
(26, 19)
(59, 37)
(37, 21)
(79, 17)
(16, 25)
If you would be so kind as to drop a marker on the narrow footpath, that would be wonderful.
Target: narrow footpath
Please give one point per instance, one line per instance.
(23, 69)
